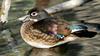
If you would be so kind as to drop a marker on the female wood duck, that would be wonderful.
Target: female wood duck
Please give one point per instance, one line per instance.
(33, 30)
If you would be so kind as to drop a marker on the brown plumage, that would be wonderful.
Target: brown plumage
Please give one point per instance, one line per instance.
(28, 31)
(32, 34)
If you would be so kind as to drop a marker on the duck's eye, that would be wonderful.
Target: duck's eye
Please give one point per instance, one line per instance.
(34, 14)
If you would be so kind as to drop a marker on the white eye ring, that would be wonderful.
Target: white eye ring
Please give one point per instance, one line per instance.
(34, 14)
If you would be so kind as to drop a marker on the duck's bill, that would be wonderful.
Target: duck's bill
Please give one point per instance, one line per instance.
(26, 18)
(23, 18)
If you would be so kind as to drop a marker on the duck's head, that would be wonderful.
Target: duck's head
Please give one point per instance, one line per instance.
(35, 14)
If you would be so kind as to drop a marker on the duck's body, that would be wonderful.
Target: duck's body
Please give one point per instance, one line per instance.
(36, 38)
